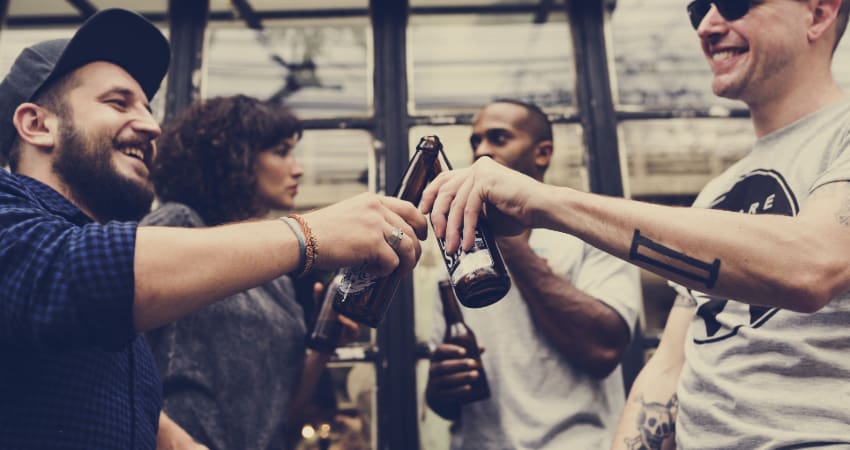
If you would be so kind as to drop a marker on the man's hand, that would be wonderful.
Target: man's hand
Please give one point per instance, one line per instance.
(456, 198)
(356, 231)
(449, 377)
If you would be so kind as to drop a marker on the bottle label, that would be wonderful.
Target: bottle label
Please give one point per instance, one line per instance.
(356, 280)
(462, 263)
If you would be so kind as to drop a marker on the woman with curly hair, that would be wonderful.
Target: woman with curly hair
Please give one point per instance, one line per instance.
(231, 371)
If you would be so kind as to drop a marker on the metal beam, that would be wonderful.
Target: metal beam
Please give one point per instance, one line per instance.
(246, 12)
(542, 13)
(396, 375)
(595, 102)
(188, 21)
(85, 7)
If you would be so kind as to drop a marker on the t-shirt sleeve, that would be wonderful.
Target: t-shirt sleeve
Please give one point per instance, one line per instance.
(838, 168)
(613, 281)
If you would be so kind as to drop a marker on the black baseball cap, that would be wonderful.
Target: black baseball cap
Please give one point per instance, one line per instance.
(115, 35)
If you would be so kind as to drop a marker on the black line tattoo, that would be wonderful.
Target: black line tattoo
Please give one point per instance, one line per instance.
(656, 422)
(645, 250)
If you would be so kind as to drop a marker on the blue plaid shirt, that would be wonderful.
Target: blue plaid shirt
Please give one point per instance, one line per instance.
(73, 372)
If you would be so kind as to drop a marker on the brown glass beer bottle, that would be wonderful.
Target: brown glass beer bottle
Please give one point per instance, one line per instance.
(459, 334)
(328, 329)
(361, 295)
(479, 275)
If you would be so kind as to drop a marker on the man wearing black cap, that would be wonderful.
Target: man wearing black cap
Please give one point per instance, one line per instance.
(77, 284)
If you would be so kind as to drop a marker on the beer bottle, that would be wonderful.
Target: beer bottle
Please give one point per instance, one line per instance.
(459, 334)
(361, 295)
(328, 329)
(478, 275)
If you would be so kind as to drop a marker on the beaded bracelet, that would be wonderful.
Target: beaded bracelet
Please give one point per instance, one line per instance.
(311, 252)
(302, 243)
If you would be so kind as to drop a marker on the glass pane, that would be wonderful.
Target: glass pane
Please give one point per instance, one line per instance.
(30, 8)
(261, 6)
(343, 414)
(337, 165)
(319, 68)
(658, 59)
(495, 3)
(679, 156)
(459, 63)
(145, 7)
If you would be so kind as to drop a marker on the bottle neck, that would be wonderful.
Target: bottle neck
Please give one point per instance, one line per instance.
(451, 307)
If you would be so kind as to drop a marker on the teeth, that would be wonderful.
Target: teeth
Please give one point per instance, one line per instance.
(723, 56)
(134, 152)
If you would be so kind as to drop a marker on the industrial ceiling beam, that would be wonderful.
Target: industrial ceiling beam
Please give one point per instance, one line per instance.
(85, 8)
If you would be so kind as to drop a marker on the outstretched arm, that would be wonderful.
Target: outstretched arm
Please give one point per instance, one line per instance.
(179, 270)
(723, 253)
(648, 421)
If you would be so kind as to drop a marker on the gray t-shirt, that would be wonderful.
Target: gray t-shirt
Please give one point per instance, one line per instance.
(539, 400)
(229, 370)
(766, 378)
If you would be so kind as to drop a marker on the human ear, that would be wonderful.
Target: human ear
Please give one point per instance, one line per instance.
(823, 17)
(35, 125)
(543, 154)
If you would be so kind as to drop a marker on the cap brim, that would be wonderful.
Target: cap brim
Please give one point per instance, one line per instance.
(123, 38)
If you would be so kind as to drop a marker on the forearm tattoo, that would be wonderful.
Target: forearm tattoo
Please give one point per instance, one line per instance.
(652, 253)
(655, 423)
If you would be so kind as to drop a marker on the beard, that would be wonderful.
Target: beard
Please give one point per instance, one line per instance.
(87, 169)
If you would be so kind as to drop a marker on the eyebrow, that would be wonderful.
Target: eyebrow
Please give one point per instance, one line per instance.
(127, 93)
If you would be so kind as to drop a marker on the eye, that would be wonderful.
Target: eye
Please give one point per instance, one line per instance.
(475, 141)
(497, 137)
(118, 102)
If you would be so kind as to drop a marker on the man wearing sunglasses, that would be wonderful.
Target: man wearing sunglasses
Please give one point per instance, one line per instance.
(755, 351)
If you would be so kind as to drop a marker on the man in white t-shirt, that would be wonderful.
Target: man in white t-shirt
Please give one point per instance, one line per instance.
(754, 352)
(553, 343)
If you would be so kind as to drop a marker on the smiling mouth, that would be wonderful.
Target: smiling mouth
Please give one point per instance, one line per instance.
(725, 55)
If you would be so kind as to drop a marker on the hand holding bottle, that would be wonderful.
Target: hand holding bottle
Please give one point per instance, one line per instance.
(456, 198)
(368, 221)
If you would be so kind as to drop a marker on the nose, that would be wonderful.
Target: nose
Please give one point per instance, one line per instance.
(297, 169)
(483, 149)
(711, 23)
(145, 123)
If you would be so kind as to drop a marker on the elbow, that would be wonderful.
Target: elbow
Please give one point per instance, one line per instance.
(812, 288)
(604, 362)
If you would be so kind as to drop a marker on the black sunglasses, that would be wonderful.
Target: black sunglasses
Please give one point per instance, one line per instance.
(729, 9)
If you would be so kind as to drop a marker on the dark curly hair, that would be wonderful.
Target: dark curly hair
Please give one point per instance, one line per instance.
(207, 155)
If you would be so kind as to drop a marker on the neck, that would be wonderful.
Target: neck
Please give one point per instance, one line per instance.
(799, 97)
(44, 173)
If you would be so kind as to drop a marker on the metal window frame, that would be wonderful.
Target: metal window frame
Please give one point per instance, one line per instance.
(397, 351)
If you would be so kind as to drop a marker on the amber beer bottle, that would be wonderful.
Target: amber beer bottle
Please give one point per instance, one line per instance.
(478, 275)
(458, 333)
(328, 329)
(365, 297)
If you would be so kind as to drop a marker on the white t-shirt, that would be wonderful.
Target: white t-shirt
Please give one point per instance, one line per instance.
(766, 378)
(538, 399)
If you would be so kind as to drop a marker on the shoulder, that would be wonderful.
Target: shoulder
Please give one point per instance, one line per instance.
(174, 214)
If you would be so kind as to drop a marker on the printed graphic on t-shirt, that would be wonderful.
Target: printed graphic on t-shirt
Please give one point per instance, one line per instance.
(758, 192)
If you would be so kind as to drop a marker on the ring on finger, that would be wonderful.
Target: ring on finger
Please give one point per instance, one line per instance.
(395, 238)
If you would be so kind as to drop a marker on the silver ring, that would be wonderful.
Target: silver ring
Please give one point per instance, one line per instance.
(395, 238)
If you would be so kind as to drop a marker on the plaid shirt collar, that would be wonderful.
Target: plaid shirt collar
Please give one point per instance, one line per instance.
(53, 201)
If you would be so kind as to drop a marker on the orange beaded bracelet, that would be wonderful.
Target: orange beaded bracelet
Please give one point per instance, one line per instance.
(311, 250)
